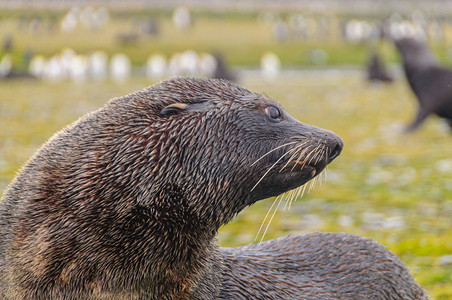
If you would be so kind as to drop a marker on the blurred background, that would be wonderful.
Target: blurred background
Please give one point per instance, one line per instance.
(329, 63)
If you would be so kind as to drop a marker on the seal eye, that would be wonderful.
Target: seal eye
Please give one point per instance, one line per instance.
(273, 113)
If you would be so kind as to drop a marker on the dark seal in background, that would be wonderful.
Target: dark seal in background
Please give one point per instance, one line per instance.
(430, 82)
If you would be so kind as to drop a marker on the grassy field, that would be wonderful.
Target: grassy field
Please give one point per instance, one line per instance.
(242, 41)
(386, 185)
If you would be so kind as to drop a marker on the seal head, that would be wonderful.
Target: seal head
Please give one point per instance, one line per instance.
(237, 147)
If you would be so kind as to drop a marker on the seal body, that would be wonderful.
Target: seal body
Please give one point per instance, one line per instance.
(321, 266)
(429, 81)
(376, 70)
(126, 202)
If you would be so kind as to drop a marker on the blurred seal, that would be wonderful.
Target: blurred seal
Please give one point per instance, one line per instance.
(430, 82)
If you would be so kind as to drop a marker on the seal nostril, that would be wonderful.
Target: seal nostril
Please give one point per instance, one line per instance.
(336, 150)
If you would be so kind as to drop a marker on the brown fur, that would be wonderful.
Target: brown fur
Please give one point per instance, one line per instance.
(326, 266)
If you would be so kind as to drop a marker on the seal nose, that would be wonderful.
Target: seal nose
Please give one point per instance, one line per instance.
(336, 150)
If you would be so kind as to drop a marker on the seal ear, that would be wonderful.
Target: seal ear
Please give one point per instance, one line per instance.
(176, 108)
(173, 109)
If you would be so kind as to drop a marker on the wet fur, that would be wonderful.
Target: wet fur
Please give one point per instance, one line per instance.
(126, 202)
(323, 266)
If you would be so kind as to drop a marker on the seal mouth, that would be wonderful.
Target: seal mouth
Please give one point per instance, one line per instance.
(295, 172)
(302, 164)
(296, 162)
(312, 159)
(310, 168)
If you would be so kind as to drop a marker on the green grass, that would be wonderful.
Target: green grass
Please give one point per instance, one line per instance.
(381, 171)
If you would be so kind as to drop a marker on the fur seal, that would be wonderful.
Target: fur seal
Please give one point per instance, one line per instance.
(222, 71)
(376, 70)
(430, 82)
(125, 203)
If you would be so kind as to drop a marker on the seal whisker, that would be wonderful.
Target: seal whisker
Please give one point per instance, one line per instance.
(325, 174)
(294, 196)
(314, 155)
(315, 152)
(289, 195)
(305, 161)
(303, 191)
(312, 184)
(269, 222)
(294, 151)
(299, 158)
(320, 152)
(279, 147)
(265, 218)
(298, 147)
(299, 194)
(265, 174)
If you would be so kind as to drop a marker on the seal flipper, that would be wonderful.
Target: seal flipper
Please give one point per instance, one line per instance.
(420, 118)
